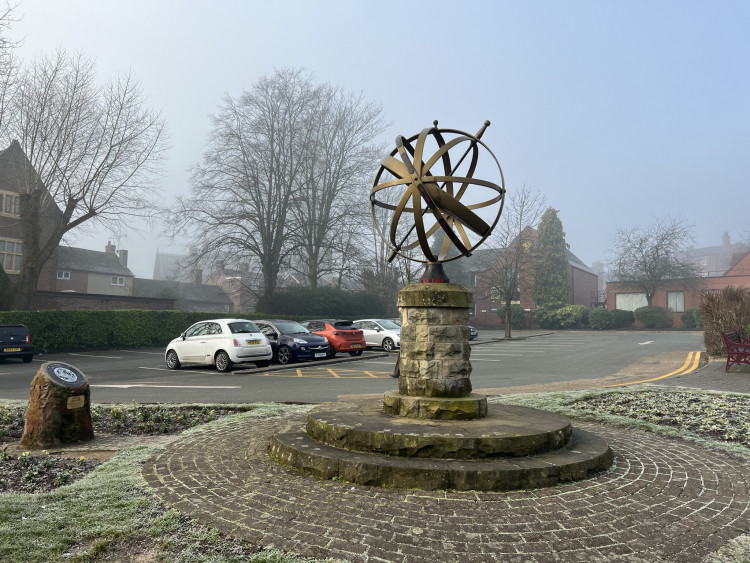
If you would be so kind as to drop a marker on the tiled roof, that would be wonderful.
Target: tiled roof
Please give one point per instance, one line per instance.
(189, 292)
(94, 261)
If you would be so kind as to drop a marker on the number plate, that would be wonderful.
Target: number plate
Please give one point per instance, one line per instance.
(12, 350)
(252, 342)
(320, 354)
(356, 345)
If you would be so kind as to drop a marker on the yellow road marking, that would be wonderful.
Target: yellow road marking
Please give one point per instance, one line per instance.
(333, 373)
(371, 374)
(691, 364)
(299, 373)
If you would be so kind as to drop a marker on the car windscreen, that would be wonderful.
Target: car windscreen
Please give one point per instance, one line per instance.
(388, 325)
(290, 327)
(344, 325)
(242, 327)
(13, 332)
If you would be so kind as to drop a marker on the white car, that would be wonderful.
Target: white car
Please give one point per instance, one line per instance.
(380, 333)
(222, 342)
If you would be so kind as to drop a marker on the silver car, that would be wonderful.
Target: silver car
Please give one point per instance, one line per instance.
(222, 342)
(380, 333)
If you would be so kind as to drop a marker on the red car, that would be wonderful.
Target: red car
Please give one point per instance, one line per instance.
(342, 335)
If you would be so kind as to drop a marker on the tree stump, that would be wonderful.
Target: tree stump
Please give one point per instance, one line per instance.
(59, 410)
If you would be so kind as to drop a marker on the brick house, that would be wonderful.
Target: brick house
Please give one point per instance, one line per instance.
(677, 296)
(93, 272)
(16, 174)
(583, 283)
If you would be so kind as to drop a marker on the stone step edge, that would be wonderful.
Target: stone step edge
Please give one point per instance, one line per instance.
(361, 426)
(584, 456)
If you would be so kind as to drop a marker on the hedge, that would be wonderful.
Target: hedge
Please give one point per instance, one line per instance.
(70, 331)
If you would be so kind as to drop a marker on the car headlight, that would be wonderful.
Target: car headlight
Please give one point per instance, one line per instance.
(300, 341)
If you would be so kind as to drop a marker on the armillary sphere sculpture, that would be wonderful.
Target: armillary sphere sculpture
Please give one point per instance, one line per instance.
(430, 189)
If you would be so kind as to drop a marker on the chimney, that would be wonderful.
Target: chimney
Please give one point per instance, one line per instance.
(110, 247)
(725, 239)
(197, 276)
(123, 254)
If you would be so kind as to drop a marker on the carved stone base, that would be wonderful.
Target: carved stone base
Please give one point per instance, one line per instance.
(470, 407)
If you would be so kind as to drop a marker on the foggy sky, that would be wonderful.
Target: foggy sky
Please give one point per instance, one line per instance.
(619, 112)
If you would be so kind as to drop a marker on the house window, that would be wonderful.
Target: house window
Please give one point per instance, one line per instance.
(630, 301)
(10, 255)
(676, 301)
(118, 280)
(63, 275)
(10, 203)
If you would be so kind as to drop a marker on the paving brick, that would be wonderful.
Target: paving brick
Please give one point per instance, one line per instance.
(664, 500)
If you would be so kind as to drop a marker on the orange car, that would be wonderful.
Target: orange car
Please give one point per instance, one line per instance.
(342, 335)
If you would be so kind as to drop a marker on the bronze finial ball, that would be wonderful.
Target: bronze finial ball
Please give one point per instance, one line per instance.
(427, 185)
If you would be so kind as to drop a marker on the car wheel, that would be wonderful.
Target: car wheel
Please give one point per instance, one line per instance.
(388, 344)
(355, 353)
(222, 361)
(173, 362)
(27, 359)
(263, 364)
(285, 355)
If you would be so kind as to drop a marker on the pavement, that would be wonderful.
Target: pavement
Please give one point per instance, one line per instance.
(664, 499)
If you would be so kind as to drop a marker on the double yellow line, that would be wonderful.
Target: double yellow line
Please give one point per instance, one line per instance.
(691, 364)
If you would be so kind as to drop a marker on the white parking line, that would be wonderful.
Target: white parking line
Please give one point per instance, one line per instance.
(149, 385)
(93, 356)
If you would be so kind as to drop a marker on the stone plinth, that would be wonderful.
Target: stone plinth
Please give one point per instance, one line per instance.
(59, 410)
(434, 360)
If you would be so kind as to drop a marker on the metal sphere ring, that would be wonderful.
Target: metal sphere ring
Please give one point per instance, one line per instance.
(457, 209)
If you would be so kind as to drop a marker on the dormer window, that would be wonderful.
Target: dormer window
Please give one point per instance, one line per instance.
(63, 274)
(118, 280)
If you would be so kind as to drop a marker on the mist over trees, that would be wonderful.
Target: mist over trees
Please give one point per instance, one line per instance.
(284, 180)
(88, 148)
(644, 257)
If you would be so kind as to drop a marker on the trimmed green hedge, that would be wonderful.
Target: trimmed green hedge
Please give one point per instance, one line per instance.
(70, 331)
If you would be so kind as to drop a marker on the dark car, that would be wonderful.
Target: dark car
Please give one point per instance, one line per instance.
(15, 342)
(473, 333)
(342, 335)
(291, 342)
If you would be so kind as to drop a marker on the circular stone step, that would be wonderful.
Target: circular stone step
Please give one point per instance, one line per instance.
(585, 455)
(506, 431)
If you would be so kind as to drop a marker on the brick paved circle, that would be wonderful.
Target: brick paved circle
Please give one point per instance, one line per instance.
(663, 500)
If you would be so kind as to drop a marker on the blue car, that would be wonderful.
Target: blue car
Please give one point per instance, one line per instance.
(291, 342)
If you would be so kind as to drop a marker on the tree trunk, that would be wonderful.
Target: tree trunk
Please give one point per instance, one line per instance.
(508, 318)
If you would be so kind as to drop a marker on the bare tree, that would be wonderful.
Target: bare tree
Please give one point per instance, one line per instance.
(91, 151)
(8, 64)
(513, 270)
(276, 186)
(646, 257)
(332, 195)
(243, 190)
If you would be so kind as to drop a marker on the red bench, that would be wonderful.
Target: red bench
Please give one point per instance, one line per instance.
(738, 349)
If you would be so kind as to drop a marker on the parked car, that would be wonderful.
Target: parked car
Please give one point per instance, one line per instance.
(15, 342)
(342, 335)
(291, 342)
(473, 333)
(222, 342)
(380, 333)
